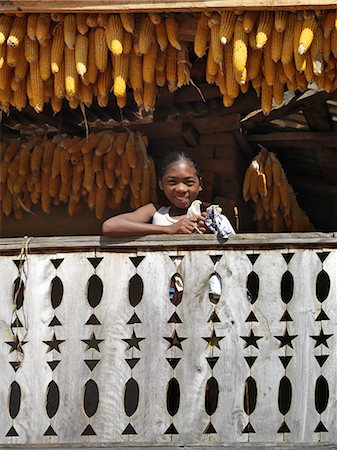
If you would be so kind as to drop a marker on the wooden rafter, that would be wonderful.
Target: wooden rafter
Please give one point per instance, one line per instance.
(160, 5)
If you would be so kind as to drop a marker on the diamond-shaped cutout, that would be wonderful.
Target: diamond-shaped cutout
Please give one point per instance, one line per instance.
(210, 429)
(285, 360)
(136, 260)
(94, 261)
(251, 317)
(320, 428)
(134, 319)
(286, 317)
(50, 431)
(91, 363)
(129, 430)
(321, 359)
(284, 428)
(93, 320)
(171, 430)
(248, 428)
(56, 262)
(132, 362)
(287, 257)
(215, 258)
(15, 365)
(323, 255)
(54, 322)
(250, 360)
(89, 431)
(174, 318)
(322, 316)
(12, 432)
(212, 361)
(214, 317)
(53, 364)
(173, 362)
(253, 257)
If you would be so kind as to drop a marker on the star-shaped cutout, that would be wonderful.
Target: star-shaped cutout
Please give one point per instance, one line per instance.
(54, 344)
(16, 344)
(286, 339)
(321, 339)
(251, 339)
(175, 340)
(213, 340)
(92, 342)
(134, 341)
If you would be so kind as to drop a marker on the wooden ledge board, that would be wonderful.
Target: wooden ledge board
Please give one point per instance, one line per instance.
(159, 5)
(167, 243)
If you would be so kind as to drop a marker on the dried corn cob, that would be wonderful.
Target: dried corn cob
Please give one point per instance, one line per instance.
(172, 32)
(70, 29)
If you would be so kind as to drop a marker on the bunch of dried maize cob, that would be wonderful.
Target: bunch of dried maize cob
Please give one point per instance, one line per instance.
(78, 57)
(101, 170)
(274, 51)
(276, 207)
(47, 58)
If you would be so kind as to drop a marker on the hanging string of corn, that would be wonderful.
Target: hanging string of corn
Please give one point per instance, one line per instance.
(78, 57)
(276, 206)
(102, 171)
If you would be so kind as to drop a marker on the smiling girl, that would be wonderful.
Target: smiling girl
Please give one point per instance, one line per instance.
(180, 182)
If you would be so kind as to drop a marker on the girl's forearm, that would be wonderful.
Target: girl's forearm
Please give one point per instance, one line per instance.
(123, 227)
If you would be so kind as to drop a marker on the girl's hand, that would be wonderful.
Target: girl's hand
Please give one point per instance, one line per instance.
(201, 223)
(184, 226)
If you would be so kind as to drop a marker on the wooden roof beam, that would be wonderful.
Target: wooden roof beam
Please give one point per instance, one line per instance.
(158, 5)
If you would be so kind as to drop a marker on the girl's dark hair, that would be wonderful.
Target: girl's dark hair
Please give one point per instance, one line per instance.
(174, 158)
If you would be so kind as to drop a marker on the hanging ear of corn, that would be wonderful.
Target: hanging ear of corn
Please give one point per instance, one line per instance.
(201, 36)
(146, 35)
(264, 28)
(69, 30)
(309, 28)
(81, 54)
(227, 23)
(172, 32)
(114, 35)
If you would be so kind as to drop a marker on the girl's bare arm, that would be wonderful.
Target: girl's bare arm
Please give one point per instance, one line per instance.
(137, 223)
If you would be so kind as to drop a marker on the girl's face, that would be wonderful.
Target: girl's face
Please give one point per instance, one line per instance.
(181, 184)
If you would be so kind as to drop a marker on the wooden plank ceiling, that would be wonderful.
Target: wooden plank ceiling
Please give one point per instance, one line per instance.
(158, 5)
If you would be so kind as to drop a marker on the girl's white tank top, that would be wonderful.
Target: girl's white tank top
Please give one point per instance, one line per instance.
(162, 216)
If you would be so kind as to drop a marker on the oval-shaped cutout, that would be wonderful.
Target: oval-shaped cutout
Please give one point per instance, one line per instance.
(53, 399)
(176, 289)
(136, 290)
(91, 398)
(56, 293)
(18, 292)
(131, 397)
(173, 397)
(284, 395)
(250, 395)
(215, 287)
(95, 290)
(321, 394)
(14, 399)
(322, 286)
(287, 287)
(253, 286)
(211, 396)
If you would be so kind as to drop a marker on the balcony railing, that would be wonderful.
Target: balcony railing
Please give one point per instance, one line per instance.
(121, 343)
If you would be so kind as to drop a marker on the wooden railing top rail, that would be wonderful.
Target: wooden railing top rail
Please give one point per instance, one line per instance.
(154, 242)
